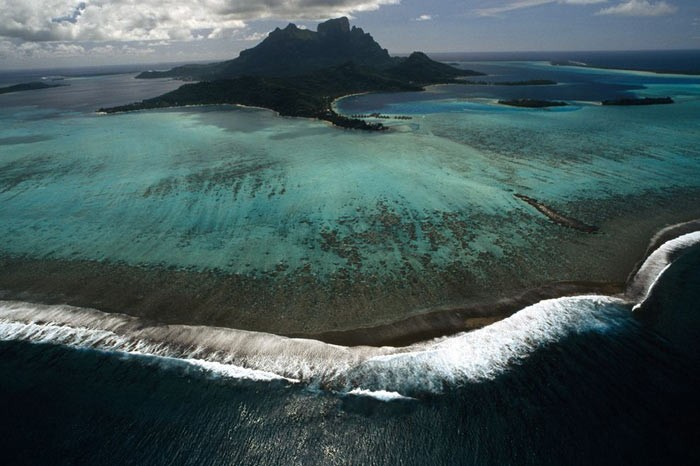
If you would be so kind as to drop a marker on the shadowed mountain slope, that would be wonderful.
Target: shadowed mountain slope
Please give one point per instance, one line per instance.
(293, 51)
(298, 72)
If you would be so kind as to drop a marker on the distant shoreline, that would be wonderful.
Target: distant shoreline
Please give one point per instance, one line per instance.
(613, 68)
(31, 86)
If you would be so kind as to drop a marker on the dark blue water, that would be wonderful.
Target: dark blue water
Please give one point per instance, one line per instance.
(627, 398)
(662, 61)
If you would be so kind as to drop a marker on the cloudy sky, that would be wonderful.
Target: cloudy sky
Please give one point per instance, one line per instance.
(48, 33)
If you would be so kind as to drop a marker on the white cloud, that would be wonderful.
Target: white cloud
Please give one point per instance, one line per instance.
(128, 20)
(40, 50)
(255, 36)
(520, 4)
(640, 8)
(423, 18)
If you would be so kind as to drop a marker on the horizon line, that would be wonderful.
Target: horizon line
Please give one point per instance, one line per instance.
(393, 53)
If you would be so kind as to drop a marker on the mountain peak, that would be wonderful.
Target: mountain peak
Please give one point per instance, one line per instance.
(334, 26)
(418, 56)
(293, 51)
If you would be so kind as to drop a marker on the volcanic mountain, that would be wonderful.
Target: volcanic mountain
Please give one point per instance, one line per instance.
(293, 51)
(299, 72)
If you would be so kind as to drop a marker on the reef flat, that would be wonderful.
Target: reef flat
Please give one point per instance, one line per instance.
(236, 217)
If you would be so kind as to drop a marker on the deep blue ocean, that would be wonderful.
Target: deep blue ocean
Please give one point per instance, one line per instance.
(583, 380)
(662, 61)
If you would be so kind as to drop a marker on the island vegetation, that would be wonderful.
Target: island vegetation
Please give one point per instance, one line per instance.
(309, 96)
(381, 116)
(297, 72)
(33, 86)
(532, 103)
(642, 101)
(530, 82)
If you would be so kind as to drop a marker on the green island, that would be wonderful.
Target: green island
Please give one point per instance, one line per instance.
(297, 72)
(33, 86)
(642, 101)
(529, 82)
(532, 103)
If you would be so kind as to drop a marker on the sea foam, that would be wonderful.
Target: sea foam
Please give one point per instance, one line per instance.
(656, 263)
(417, 370)
(385, 373)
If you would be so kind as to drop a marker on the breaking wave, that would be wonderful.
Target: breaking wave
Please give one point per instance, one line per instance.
(654, 266)
(385, 373)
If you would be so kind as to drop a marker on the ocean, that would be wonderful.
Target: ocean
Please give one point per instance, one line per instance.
(185, 285)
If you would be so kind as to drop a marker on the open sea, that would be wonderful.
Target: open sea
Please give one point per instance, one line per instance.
(164, 275)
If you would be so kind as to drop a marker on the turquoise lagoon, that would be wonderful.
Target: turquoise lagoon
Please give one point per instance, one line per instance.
(314, 228)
